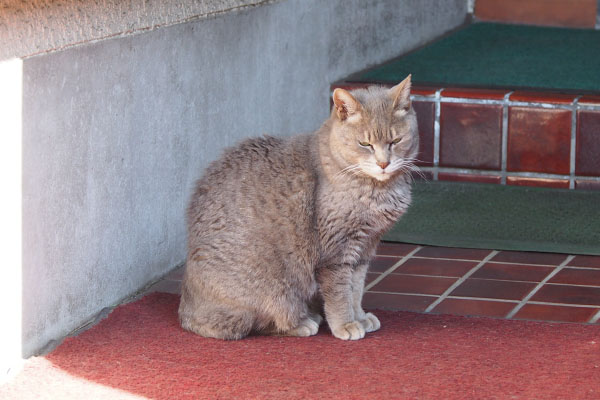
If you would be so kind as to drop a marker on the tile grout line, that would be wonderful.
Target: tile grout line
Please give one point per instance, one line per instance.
(572, 153)
(392, 268)
(594, 318)
(436, 134)
(538, 287)
(504, 150)
(460, 281)
(478, 172)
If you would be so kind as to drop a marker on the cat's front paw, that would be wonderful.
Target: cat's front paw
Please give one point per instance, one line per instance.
(370, 322)
(349, 331)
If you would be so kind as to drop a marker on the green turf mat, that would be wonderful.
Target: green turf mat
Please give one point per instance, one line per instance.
(502, 218)
(499, 55)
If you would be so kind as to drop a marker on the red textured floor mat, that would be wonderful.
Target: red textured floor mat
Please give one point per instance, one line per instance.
(140, 350)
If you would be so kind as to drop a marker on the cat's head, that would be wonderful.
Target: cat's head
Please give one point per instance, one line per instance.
(374, 131)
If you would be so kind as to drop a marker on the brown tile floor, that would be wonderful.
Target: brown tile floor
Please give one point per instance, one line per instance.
(501, 284)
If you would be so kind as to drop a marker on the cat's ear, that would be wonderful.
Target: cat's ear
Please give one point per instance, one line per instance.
(400, 94)
(346, 106)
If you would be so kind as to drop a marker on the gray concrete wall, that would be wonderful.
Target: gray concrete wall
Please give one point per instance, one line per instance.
(115, 132)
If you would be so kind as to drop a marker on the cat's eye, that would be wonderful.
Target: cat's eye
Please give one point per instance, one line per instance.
(396, 141)
(365, 144)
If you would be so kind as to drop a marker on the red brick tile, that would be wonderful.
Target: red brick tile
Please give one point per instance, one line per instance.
(422, 175)
(176, 274)
(472, 93)
(490, 289)
(585, 261)
(423, 90)
(567, 294)
(429, 266)
(589, 100)
(425, 119)
(470, 135)
(513, 272)
(542, 97)
(539, 140)
(573, 13)
(538, 182)
(445, 176)
(371, 276)
(166, 286)
(394, 249)
(483, 308)
(452, 252)
(573, 276)
(525, 257)
(543, 312)
(398, 283)
(587, 161)
(583, 184)
(382, 264)
(387, 301)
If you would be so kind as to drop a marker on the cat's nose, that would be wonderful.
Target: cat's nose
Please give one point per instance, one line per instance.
(383, 164)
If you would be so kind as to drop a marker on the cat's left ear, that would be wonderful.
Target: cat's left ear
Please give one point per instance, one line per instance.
(401, 95)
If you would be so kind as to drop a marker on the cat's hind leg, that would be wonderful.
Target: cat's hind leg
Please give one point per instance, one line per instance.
(218, 323)
(208, 318)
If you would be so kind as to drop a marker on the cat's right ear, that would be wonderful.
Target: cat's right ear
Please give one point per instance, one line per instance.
(346, 106)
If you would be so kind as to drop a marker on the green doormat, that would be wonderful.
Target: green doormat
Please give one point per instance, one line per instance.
(502, 218)
(503, 56)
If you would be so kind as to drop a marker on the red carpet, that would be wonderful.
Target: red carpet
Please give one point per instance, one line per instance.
(140, 350)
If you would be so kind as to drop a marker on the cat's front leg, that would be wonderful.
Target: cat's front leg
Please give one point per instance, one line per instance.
(369, 321)
(335, 283)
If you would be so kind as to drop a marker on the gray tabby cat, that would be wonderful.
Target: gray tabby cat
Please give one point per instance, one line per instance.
(281, 229)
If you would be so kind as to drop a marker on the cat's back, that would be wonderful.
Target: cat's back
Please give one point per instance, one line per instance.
(257, 185)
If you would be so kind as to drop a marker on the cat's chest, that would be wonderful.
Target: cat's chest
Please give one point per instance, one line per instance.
(370, 210)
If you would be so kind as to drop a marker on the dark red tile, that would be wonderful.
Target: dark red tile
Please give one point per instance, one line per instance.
(542, 97)
(513, 272)
(371, 276)
(176, 274)
(471, 93)
(482, 308)
(382, 264)
(452, 252)
(589, 100)
(425, 119)
(577, 14)
(583, 184)
(539, 140)
(525, 257)
(350, 85)
(574, 276)
(567, 294)
(435, 267)
(544, 312)
(490, 289)
(394, 249)
(166, 286)
(585, 261)
(398, 283)
(421, 175)
(538, 182)
(423, 90)
(587, 161)
(470, 135)
(444, 176)
(390, 301)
